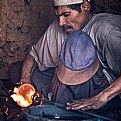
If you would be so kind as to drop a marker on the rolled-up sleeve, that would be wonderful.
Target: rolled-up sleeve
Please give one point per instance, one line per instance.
(46, 51)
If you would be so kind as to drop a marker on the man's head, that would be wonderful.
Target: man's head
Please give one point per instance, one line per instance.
(78, 59)
(72, 14)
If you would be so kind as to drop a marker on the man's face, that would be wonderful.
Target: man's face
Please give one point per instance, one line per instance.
(70, 20)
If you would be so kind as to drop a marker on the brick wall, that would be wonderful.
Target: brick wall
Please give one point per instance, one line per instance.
(22, 22)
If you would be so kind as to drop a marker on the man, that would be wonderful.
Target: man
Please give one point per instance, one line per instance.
(105, 31)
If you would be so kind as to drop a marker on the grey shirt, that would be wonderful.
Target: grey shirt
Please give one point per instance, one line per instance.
(46, 51)
(105, 31)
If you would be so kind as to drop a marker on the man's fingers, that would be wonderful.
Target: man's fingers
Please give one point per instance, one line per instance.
(87, 107)
(78, 105)
(81, 102)
(72, 106)
(83, 105)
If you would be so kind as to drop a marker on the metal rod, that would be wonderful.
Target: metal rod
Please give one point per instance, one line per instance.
(96, 115)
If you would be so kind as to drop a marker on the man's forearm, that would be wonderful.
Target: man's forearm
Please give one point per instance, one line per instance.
(26, 68)
(113, 90)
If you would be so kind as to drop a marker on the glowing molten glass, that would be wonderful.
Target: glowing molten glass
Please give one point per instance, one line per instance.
(24, 95)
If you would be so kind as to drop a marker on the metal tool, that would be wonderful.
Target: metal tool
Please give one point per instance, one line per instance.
(45, 101)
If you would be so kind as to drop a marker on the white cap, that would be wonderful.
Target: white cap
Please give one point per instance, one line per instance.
(66, 2)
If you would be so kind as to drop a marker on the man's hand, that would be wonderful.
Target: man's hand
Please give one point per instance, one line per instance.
(99, 100)
(95, 102)
(26, 78)
(26, 69)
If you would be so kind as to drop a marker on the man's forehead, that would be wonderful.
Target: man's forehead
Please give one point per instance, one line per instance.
(62, 9)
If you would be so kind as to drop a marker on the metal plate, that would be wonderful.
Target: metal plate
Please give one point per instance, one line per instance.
(53, 112)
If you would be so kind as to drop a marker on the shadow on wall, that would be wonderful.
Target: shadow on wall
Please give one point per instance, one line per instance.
(110, 6)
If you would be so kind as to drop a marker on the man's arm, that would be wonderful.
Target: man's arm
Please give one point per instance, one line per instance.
(26, 68)
(99, 100)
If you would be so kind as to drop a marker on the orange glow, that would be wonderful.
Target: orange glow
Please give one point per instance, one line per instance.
(24, 95)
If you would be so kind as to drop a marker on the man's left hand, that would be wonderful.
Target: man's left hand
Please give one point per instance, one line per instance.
(95, 102)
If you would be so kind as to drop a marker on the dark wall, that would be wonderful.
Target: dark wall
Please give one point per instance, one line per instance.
(110, 6)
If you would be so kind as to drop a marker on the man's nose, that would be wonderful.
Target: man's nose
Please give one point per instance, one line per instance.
(62, 21)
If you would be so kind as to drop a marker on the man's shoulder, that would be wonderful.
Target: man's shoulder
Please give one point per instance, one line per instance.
(104, 22)
(55, 28)
(54, 24)
(106, 18)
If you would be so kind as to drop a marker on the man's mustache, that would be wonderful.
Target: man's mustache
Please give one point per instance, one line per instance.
(67, 27)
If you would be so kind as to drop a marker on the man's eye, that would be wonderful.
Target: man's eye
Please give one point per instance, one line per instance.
(66, 14)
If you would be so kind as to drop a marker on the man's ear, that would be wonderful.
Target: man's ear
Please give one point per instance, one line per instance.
(85, 6)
